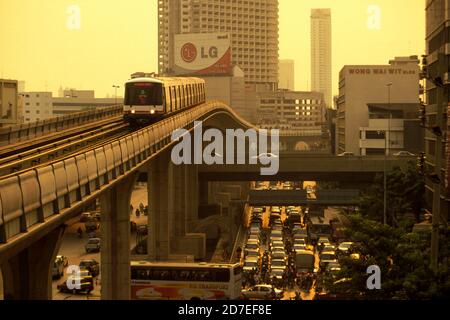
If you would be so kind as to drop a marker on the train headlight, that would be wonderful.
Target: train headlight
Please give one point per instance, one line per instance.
(152, 111)
(133, 111)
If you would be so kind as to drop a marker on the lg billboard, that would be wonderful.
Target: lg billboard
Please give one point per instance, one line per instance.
(202, 54)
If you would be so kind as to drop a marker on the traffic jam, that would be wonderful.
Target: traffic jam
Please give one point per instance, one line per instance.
(288, 249)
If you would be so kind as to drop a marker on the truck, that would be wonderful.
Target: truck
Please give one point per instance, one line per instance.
(304, 261)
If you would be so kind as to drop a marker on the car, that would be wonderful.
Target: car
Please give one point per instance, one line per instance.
(86, 284)
(299, 241)
(278, 254)
(91, 224)
(404, 154)
(142, 229)
(344, 247)
(58, 269)
(258, 210)
(256, 219)
(333, 266)
(252, 253)
(93, 245)
(277, 241)
(97, 216)
(262, 291)
(329, 247)
(300, 237)
(298, 246)
(64, 259)
(251, 263)
(327, 257)
(275, 210)
(254, 230)
(254, 237)
(85, 216)
(276, 233)
(346, 154)
(277, 228)
(252, 246)
(91, 265)
(276, 273)
(323, 241)
(255, 225)
(278, 263)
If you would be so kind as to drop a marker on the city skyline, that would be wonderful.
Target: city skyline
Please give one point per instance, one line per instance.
(76, 53)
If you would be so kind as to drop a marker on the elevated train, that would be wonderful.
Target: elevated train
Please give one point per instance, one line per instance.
(148, 99)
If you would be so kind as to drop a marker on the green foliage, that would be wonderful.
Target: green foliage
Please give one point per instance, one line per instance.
(403, 257)
(405, 194)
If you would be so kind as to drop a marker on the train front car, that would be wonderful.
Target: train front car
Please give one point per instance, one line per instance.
(144, 100)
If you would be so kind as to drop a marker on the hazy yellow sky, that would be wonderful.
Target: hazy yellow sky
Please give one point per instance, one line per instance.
(42, 44)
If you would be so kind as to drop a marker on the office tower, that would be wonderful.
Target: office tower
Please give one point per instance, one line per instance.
(375, 105)
(438, 42)
(321, 53)
(286, 75)
(251, 24)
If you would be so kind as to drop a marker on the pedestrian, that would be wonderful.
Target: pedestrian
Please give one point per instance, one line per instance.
(80, 232)
(138, 213)
(131, 209)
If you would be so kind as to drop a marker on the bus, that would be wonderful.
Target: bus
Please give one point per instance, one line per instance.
(319, 227)
(185, 281)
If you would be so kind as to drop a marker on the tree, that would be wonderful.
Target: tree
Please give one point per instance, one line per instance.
(405, 194)
(403, 257)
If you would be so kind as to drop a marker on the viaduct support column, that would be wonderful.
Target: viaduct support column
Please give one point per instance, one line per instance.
(28, 274)
(115, 248)
(158, 231)
(191, 196)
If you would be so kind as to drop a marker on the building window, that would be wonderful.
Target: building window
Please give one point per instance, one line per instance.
(375, 135)
(375, 152)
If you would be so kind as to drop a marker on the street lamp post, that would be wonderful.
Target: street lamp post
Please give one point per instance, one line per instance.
(387, 142)
(115, 95)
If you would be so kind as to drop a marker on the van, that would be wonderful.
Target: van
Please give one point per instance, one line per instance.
(304, 261)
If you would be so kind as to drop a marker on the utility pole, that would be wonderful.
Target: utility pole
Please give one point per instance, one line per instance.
(437, 183)
(115, 95)
(387, 142)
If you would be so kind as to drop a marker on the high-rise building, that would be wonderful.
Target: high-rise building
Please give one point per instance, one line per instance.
(321, 78)
(286, 75)
(9, 103)
(251, 24)
(37, 106)
(438, 60)
(373, 106)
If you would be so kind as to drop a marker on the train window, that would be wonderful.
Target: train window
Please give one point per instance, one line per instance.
(143, 94)
(175, 99)
(195, 94)
(189, 94)
(169, 105)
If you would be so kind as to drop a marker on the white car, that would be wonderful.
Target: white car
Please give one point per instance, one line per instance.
(404, 154)
(278, 254)
(344, 247)
(251, 263)
(263, 291)
(278, 264)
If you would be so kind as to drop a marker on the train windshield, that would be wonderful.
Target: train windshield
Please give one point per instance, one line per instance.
(143, 94)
